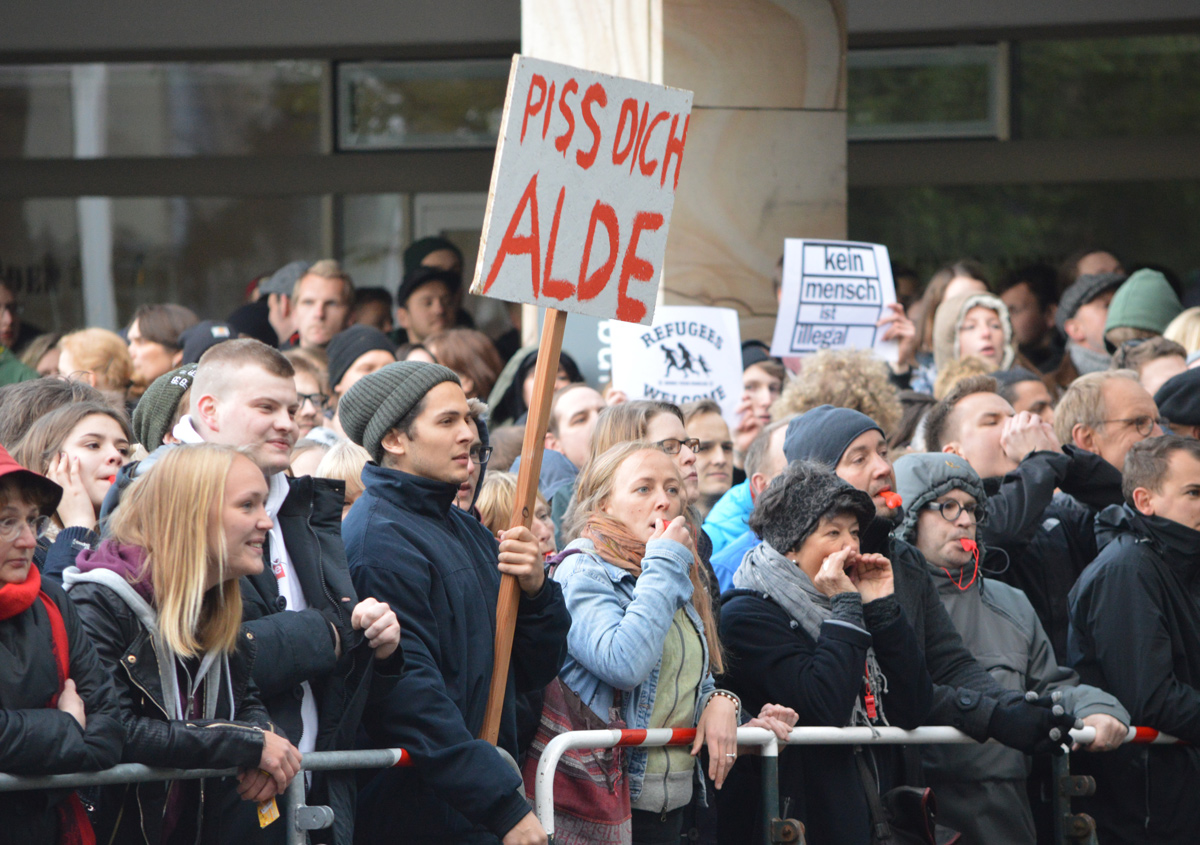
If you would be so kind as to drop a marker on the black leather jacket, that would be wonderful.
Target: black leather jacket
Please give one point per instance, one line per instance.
(130, 813)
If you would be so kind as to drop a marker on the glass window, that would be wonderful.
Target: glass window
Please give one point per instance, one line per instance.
(149, 109)
(390, 105)
(202, 252)
(928, 92)
(1100, 87)
(1006, 226)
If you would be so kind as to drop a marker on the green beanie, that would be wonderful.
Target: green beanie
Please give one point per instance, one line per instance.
(155, 410)
(1145, 301)
(381, 399)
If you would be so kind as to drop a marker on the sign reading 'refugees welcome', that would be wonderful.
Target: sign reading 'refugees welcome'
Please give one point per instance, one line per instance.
(582, 191)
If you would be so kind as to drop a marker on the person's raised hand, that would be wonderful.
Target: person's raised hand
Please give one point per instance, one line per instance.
(1110, 733)
(901, 330)
(1026, 433)
(70, 702)
(528, 831)
(76, 507)
(832, 578)
(676, 530)
(717, 730)
(379, 625)
(280, 762)
(872, 576)
(748, 427)
(521, 557)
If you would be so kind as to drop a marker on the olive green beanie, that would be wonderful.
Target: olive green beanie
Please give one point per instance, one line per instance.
(381, 399)
(1146, 301)
(156, 409)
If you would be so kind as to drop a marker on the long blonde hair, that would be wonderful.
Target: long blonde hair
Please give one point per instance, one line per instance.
(592, 491)
(174, 514)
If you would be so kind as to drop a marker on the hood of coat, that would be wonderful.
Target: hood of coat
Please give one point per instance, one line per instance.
(1177, 545)
(127, 561)
(922, 478)
(948, 320)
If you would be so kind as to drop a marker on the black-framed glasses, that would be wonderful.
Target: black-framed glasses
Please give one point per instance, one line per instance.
(708, 445)
(481, 454)
(319, 400)
(11, 528)
(951, 509)
(672, 445)
(1144, 425)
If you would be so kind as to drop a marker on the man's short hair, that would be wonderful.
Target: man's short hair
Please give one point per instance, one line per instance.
(328, 268)
(1134, 356)
(383, 296)
(223, 360)
(552, 426)
(1148, 462)
(1042, 280)
(756, 456)
(698, 408)
(1083, 403)
(938, 418)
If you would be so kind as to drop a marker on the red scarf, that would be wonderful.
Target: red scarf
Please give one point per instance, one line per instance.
(73, 825)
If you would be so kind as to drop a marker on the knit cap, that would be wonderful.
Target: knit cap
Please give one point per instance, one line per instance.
(1145, 301)
(381, 399)
(351, 344)
(156, 409)
(811, 491)
(824, 433)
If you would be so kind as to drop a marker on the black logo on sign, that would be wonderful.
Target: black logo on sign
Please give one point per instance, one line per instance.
(679, 358)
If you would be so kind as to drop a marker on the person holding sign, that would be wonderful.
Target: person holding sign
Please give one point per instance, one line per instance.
(440, 569)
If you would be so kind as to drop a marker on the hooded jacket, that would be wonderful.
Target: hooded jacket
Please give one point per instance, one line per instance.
(1135, 631)
(947, 323)
(435, 565)
(727, 520)
(122, 624)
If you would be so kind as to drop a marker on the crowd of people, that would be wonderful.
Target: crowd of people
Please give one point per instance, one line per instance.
(230, 543)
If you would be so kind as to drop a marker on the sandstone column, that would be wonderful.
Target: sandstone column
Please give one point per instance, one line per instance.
(766, 148)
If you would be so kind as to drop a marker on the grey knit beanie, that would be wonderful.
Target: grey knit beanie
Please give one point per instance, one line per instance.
(378, 401)
(155, 410)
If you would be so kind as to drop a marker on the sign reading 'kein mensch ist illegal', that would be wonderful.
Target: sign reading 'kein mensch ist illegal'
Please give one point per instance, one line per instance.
(834, 293)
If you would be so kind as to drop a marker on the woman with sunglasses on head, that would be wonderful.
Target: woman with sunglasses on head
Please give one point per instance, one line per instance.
(58, 711)
(161, 600)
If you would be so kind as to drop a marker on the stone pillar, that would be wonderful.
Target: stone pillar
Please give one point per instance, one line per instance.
(766, 147)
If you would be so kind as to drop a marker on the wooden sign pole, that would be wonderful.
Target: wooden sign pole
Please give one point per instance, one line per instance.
(522, 514)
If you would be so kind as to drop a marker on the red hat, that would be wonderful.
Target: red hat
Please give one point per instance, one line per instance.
(27, 478)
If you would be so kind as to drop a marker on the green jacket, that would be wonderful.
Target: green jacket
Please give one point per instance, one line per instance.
(12, 370)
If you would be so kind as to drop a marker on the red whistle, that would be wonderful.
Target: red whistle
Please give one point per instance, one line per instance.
(968, 545)
(112, 479)
(891, 499)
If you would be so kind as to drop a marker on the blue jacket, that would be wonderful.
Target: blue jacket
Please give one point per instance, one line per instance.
(619, 627)
(436, 566)
(727, 519)
(726, 563)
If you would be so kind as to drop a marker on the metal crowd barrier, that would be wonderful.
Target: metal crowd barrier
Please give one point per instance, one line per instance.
(778, 830)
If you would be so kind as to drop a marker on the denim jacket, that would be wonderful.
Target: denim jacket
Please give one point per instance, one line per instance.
(619, 625)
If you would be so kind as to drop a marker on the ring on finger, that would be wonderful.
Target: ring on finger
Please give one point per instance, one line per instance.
(731, 755)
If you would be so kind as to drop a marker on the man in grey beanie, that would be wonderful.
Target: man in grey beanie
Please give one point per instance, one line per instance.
(440, 569)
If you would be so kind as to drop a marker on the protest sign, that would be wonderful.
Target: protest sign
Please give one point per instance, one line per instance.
(833, 294)
(582, 191)
(688, 353)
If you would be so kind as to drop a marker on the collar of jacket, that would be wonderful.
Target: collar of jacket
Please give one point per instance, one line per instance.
(414, 493)
(1176, 544)
(875, 538)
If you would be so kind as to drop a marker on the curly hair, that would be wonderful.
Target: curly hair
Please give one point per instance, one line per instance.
(956, 371)
(850, 378)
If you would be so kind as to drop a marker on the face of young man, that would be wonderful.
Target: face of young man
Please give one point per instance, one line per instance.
(321, 310)
(1087, 326)
(575, 412)
(1178, 498)
(1028, 319)
(714, 455)
(428, 310)
(974, 430)
(1034, 397)
(864, 465)
(939, 539)
(256, 412)
(440, 448)
(1127, 408)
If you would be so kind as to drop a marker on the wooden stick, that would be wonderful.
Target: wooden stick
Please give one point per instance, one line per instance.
(522, 514)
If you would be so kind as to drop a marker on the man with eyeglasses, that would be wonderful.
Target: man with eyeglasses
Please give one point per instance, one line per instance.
(12, 337)
(981, 790)
(1106, 413)
(1047, 536)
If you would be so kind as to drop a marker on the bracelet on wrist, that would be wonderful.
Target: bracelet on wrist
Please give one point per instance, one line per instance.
(737, 703)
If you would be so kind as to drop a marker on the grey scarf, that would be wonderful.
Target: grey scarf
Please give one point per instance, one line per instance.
(765, 570)
(1087, 360)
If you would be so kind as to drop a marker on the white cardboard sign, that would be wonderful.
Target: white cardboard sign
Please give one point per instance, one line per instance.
(688, 353)
(582, 191)
(833, 294)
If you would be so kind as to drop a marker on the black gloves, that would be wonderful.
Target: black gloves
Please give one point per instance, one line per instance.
(1033, 725)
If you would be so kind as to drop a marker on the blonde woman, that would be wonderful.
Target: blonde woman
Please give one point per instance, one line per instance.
(1185, 329)
(495, 503)
(100, 358)
(345, 462)
(161, 602)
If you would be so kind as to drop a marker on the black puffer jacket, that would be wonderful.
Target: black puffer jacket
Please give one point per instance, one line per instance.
(1135, 631)
(131, 813)
(39, 740)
